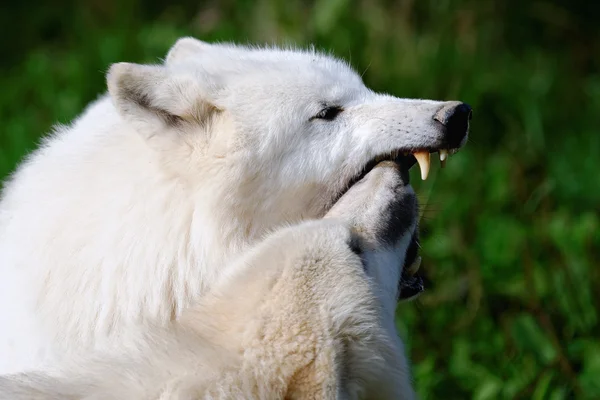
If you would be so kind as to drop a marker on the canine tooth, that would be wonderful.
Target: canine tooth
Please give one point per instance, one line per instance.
(443, 157)
(423, 160)
(443, 154)
(414, 267)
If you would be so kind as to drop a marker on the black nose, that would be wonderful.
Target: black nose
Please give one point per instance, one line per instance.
(455, 116)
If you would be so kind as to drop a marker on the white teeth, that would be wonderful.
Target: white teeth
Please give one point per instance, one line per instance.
(423, 160)
(414, 267)
(443, 154)
(443, 157)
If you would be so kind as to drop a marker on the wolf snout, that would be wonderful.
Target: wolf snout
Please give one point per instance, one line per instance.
(455, 117)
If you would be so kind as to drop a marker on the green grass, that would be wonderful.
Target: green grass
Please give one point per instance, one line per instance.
(511, 236)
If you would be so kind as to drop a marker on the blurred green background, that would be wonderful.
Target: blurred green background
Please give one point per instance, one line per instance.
(510, 228)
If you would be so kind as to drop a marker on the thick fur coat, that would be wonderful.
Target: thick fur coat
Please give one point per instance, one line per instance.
(307, 314)
(134, 211)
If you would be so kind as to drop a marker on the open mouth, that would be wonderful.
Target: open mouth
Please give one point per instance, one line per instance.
(406, 159)
(411, 282)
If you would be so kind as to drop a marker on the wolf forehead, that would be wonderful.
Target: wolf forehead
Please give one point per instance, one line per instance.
(283, 65)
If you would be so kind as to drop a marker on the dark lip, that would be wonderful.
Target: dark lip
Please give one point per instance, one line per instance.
(410, 285)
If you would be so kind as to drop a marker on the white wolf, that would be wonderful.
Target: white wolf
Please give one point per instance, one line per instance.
(307, 314)
(128, 215)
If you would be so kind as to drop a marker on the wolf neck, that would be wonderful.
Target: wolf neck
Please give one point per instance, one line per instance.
(239, 218)
(244, 208)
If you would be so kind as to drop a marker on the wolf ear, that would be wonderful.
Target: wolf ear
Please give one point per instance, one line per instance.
(143, 92)
(185, 48)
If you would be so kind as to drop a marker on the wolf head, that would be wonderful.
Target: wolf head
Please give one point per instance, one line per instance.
(284, 130)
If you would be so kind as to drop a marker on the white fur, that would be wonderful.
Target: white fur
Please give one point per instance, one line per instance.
(306, 314)
(308, 327)
(129, 214)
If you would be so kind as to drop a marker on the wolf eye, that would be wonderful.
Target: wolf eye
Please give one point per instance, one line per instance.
(328, 113)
